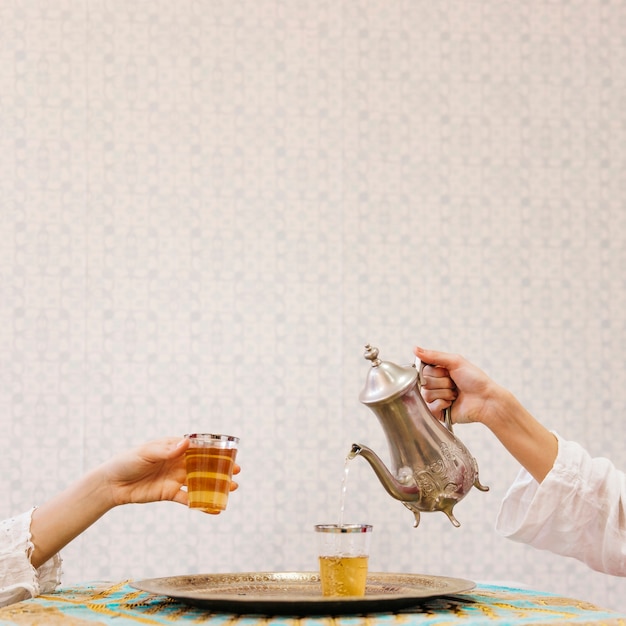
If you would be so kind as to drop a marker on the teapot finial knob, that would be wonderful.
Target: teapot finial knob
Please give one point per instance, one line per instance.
(371, 354)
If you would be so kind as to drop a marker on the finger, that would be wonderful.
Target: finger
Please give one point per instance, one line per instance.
(236, 469)
(443, 394)
(437, 378)
(435, 371)
(180, 445)
(444, 359)
(182, 497)
(165, 448)
(438, 406)
(234, 485)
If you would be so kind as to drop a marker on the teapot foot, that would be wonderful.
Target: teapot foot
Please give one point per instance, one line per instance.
(415, 512)
(479, 486)
(454, 520)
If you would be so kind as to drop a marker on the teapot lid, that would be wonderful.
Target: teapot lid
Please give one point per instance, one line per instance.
(385, 381)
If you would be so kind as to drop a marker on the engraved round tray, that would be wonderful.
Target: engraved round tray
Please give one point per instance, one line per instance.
(299, 593)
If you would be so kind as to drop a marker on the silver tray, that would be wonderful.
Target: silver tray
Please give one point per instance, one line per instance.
(299, 593)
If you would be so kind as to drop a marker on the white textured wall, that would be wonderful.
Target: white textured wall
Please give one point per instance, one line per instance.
(208, 208)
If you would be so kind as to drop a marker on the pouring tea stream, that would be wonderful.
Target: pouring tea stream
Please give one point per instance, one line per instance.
(431, 468)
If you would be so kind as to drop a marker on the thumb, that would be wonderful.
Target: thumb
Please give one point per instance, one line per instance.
(433, 357)
(177, 448)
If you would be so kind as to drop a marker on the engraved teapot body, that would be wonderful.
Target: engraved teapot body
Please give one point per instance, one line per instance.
(431, 469)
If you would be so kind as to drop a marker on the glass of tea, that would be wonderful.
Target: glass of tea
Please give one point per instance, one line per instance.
(209, 461)
(343, 551)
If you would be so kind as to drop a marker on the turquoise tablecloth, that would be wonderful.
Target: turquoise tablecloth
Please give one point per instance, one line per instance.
(120, 604)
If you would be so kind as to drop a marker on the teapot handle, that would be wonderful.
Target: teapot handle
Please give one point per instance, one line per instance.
(447, 412)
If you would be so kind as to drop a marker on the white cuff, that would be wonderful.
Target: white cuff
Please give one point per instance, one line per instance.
(19, 580)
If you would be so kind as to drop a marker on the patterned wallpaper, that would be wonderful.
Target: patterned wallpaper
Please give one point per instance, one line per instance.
(208, 208)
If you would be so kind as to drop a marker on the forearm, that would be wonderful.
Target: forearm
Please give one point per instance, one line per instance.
(533, 445)
(151, 472)
(61, 519)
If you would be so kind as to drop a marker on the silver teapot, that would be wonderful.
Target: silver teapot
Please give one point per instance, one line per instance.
(431, 469)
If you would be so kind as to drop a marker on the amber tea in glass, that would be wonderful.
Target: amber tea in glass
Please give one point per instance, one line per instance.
(209, 461)
(343, 575)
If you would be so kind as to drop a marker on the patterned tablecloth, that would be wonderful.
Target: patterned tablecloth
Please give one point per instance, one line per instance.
(119, 604)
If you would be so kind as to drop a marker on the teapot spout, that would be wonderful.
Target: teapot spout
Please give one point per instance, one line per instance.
(407, 491)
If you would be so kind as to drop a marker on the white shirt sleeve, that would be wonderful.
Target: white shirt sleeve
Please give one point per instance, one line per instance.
(579, 510)
(19, 580)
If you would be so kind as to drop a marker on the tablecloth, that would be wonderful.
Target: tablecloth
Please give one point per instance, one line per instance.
(120, 604)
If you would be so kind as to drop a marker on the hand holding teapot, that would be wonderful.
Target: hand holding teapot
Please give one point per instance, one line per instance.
(431, 468)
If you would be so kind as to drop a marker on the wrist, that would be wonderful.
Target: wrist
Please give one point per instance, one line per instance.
(502, 408)
(96, 491)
